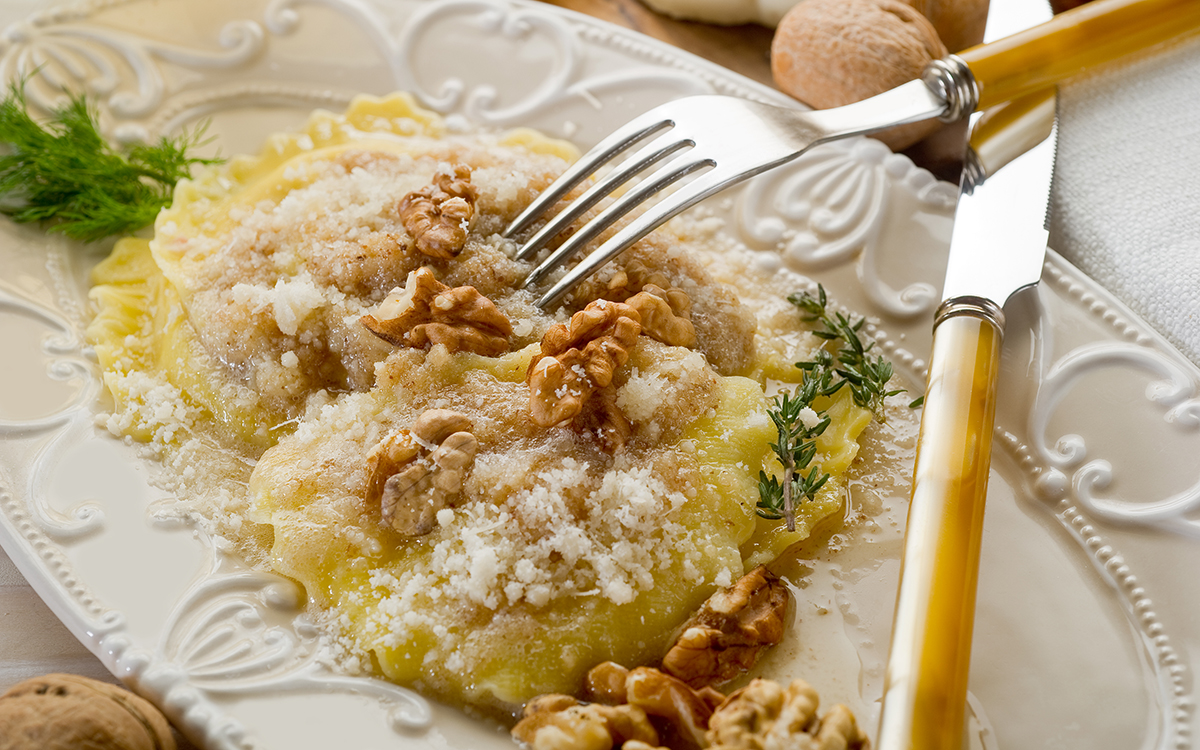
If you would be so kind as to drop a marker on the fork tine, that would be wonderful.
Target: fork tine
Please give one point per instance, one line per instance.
(648, 156)
(666, 176)
(683, 199)
(615, 143)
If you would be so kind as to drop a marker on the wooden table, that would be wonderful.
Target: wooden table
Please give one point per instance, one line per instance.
(746, 49)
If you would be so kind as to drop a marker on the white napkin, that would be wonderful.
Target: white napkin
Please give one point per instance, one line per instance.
(1126, 207)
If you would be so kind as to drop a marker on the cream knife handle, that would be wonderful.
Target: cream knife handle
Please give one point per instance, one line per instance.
(926, 684)
(1073, 41)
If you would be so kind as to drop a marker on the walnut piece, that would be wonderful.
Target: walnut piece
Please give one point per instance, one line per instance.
(764, 716)
(559, 722)
(437, 216)
(665, 315)
(761, 716)
(659, 694)
(426, 312)
(723, 639)
(632, 278)
(665, 310)
(576, 368)
(417, 472)
(605, 683)
(66, 711)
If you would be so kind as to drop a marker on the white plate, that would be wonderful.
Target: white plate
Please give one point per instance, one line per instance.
(1086, 634)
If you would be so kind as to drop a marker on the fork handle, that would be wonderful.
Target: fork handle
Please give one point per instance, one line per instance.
(926, 684)
(1074, 41)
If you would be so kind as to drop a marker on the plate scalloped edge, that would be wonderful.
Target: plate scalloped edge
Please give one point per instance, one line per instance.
(831, 214)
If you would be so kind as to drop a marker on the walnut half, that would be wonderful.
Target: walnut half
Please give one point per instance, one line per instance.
(417, 472)
(723, 639)
(559, 722)
(665, 310)
(426, 312)
(574, 376)
(681, 713)
(438, 216)
(764, 714)
(688, 711)
(665, 315)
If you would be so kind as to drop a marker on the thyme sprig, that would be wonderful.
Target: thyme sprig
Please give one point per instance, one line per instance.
(865, 373)
(65, 174)
(798, 424)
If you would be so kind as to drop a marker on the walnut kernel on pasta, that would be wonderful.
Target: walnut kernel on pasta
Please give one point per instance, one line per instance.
(417, 472)
(665, 315)
(576, 368)
(426, 312)
(631, 278)
(439, 215)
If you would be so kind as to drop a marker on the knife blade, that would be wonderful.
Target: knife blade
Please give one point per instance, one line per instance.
(997, 248)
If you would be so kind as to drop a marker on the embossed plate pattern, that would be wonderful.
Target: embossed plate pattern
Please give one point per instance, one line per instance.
(1086, 634)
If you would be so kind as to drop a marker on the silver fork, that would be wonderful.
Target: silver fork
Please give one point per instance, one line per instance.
(717, 141)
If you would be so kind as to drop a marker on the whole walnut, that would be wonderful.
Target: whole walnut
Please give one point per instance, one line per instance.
(828, 53)
(69, 712)
(959, 23)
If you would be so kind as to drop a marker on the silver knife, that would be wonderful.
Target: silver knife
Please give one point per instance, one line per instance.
(997, 248)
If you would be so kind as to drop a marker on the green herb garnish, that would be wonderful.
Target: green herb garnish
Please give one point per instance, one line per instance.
(65, 174)
(798, 424)
(866, 374)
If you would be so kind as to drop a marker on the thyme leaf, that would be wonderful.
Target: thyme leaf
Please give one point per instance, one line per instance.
(64, 174)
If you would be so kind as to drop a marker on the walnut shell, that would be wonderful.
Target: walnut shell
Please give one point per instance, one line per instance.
(69, 712)
(959, 23)
(828, 53)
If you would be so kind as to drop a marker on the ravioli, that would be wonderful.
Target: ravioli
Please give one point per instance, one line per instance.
(238, 327)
